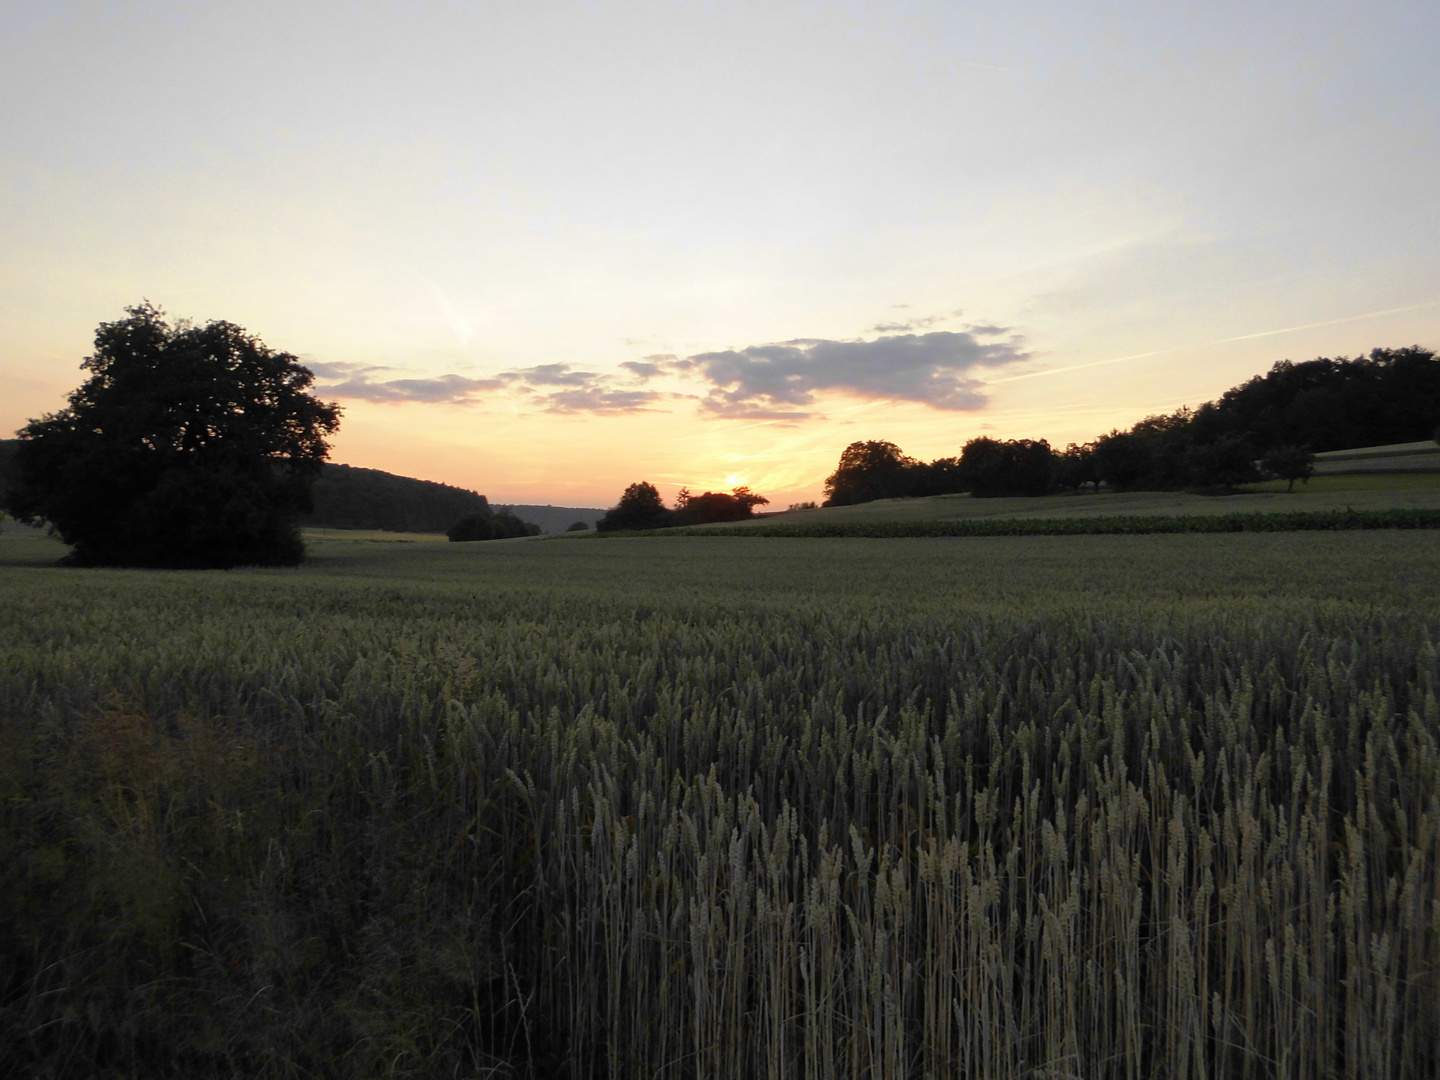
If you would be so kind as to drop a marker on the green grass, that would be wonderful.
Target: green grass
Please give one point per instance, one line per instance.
(366, 536)
(1034, 806)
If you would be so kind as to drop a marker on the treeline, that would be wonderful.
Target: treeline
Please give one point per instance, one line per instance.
(640, 507)
(1271, 424)
(346, 497)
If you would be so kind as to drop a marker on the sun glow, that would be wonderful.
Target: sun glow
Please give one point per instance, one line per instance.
(734, 480)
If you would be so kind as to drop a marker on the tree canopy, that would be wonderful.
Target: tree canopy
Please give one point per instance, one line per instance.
(716, 506)
(187, 446)
(640, 507)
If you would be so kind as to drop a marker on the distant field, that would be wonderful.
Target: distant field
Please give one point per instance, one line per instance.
(1358, 493)
(1036, 807)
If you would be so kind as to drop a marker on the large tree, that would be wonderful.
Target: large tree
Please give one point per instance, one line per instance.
(187, 446)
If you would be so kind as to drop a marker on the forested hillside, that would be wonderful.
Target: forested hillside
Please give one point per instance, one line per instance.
(347, 497)
(7, 462)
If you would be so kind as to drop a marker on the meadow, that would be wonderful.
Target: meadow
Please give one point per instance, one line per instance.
(1075, 806)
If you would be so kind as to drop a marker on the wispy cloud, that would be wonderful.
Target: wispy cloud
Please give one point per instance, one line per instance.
(909, 324)
(921, 322)
(360, 382)
(545, 387)
(1210, 344)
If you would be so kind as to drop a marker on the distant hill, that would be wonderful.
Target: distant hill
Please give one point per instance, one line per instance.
(556, 519)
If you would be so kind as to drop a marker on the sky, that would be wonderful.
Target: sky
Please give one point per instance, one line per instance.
(545, 250)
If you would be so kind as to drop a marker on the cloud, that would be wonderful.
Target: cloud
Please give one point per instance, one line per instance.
(779, 381)
(643, 370)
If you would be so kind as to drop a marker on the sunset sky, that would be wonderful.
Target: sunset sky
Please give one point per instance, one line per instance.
(543, 250)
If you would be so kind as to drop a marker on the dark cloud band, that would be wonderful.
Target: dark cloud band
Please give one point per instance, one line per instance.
(776, 381)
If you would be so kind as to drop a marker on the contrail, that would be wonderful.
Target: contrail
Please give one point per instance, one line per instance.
(1207, 344)
(463, 332)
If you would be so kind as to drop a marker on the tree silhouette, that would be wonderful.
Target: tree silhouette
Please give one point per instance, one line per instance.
(188, 446)
(868, 471)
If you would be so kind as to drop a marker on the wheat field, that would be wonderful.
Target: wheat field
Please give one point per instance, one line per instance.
(1022, 807)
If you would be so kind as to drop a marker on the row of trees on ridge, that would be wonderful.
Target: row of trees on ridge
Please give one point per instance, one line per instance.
(1272, 424)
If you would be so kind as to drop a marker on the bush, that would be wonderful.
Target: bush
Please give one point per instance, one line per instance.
(471, 527)
(500, 526)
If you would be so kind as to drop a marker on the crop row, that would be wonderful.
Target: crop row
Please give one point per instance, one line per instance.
(1100, 525)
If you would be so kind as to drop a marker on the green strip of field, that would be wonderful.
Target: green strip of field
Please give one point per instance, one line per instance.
(1127, 524)
(1355, 481)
